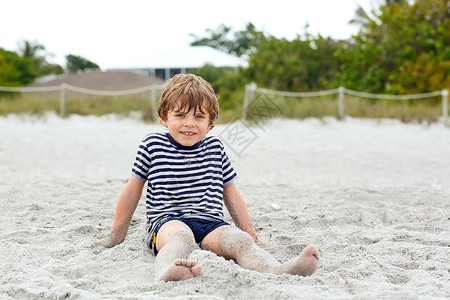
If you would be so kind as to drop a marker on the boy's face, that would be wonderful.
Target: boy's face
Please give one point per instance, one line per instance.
(187, 128)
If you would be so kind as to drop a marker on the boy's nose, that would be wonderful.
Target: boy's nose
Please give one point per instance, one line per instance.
(189, 122)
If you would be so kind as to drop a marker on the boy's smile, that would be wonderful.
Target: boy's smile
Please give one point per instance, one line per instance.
(187, 128)
(188, 133)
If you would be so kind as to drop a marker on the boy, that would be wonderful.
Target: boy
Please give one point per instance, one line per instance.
(189, 177)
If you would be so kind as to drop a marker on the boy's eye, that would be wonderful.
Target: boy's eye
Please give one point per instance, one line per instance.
(180, 115)
(199, 117)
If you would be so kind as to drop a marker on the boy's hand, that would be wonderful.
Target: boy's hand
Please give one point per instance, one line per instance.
(106, 242)
(126, 205)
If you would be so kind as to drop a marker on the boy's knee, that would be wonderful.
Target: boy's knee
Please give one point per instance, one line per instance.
(184, 234)
(175, 234)
(246, 237)
(240, 239)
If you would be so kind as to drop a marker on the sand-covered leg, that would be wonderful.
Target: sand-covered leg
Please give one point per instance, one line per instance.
(177, 242)
(233, 243)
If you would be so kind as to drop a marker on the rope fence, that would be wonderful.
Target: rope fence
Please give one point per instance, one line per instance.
(67, 87)
(250, 90)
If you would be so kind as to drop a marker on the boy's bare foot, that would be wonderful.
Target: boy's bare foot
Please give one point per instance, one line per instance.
(181, 269)
(305, 264)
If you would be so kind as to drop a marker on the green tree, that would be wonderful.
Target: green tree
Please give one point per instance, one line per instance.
(16, 70)
(405, 49)
(76, 63)
(362, 18)
(31, 50)
(303, 64)
(238, 43)
(38, 55)
(212, 74)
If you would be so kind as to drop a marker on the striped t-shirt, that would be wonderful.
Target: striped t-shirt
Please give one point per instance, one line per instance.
(183, 181)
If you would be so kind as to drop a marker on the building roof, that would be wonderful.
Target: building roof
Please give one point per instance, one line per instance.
(104, 81)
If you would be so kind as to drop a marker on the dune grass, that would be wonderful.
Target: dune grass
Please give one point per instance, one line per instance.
(423, 110)
(77, 104)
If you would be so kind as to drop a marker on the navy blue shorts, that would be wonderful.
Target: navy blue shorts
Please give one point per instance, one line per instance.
(200, 228)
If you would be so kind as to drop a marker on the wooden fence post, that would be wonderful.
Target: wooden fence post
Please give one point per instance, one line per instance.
(63, 100)
(341, 103)
(445, 106)
(249, 89)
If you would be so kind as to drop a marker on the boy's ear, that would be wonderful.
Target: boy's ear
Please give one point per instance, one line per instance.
(210, 126)
(163, 122)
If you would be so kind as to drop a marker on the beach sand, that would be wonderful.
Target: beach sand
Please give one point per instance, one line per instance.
(373, 196)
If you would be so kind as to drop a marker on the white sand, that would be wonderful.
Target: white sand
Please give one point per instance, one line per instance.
(372, 196)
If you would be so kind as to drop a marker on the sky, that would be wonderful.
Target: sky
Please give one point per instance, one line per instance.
(143, 34)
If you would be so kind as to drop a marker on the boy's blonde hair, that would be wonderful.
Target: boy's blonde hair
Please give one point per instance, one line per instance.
(189, 91)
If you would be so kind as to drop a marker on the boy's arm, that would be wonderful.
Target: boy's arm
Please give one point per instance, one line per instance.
(126, 205)
(237, 208)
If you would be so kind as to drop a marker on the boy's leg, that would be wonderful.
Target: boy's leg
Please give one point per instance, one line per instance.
(233, 243)
(174, 242)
